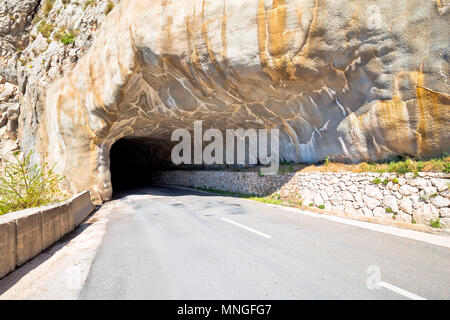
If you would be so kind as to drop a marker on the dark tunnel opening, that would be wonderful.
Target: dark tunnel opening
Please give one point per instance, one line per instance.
(133, 160)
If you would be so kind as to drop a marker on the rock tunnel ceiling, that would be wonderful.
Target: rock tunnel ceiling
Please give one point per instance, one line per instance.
(353, 80)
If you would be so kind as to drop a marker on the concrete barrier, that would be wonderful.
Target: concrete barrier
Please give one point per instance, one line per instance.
(7, 247)
(81, 207)
(29, 236)
(52, 220)
(24, 234)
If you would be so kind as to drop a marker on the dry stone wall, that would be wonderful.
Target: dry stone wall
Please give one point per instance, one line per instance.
(420, 199)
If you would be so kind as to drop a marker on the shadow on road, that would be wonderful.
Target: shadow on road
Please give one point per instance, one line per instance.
(153, 190)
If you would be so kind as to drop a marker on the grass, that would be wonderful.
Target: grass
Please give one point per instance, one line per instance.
(286, 168)
(401, 166)
(224, 193)
(45, 28)
(67, 38)
(424, 197)
(48, 6)
(322, 206)
(267, 200)
(89, 3)
(415, 166)
(109, 7)
(276, 199)
(406, 165)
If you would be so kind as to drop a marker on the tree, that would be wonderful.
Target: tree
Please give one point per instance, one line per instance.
(26, 185)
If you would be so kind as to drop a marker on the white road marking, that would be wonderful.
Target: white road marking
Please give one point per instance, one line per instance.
(400, 291)
(437, 240)
(186, 204)
(247, 228)
(434, 239)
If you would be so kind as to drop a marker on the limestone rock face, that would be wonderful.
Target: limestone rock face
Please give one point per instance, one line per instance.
(33, 55)
(15, 16)
(352, 80)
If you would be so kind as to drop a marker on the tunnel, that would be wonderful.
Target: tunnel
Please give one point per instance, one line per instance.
(133, 160)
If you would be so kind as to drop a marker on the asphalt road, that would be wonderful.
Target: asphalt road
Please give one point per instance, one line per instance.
(170, 243)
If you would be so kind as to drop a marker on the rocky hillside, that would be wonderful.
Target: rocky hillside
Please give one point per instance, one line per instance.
(40, 40)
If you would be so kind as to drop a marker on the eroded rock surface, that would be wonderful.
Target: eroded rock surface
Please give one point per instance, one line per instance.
(15, 16)
(352, 80)
(40, 41)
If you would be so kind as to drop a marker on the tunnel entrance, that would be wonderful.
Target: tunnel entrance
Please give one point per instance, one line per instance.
(134, 159)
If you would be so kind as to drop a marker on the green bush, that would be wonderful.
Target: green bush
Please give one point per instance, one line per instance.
(446, 168)
(26, 185)
(436, 223)
(67, 38)
(408, 165)
(401, 167)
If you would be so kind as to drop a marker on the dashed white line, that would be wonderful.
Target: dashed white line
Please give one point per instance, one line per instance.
(247, 228)
(400, 291)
